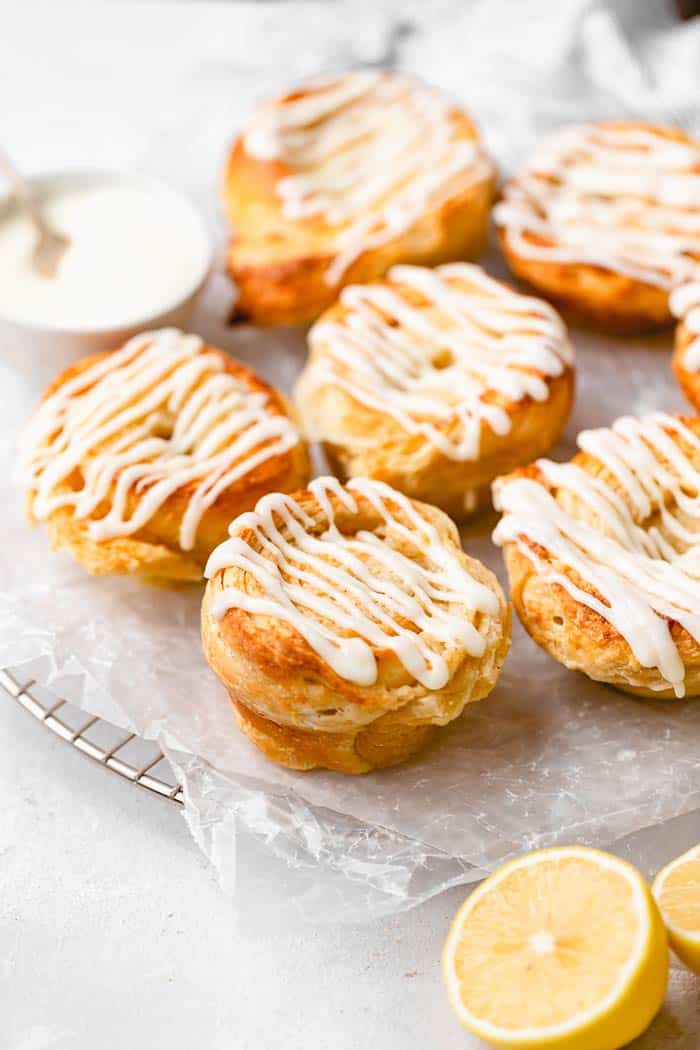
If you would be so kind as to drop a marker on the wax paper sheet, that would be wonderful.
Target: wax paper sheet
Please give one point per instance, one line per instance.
(549, 757)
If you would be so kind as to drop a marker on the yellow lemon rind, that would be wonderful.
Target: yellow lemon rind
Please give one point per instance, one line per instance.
(623, 1014)
(685, 944)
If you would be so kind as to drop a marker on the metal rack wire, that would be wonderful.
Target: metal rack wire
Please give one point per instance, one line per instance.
(139, 761)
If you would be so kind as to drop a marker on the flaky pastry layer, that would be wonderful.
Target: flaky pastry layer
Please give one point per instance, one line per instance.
(362, 423)
(304, 714)
(284, 266)
(585, 280)
(559, 604)
(154, 551)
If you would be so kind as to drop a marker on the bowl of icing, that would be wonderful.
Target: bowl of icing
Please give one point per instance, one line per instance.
(139, 255)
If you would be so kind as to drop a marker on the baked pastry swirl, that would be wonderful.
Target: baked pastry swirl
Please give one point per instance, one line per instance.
(685, 304)
(347, 623)
(336, 181)
(436, 381)
(605, 220)
(603, 554)
(136, 460)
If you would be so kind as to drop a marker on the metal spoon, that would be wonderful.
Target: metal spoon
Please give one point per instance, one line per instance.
(50, 246)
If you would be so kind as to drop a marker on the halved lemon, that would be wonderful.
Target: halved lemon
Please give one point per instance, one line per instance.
(677, 891)
(560, 948)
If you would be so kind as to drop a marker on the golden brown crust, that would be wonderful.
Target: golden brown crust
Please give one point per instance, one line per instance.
(153, 552)
(385, 742)
(688, 380)
(303, 714)
(576, 635)
(594, 294)
(414, 465)
(582, 640)
(279, 265)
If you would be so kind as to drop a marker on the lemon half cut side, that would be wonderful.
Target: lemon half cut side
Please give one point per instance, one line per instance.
(677, 892)
(563, 947)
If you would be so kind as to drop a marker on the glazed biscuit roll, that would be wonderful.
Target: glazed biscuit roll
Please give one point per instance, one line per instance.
(603, 554)
(604, 219)
(136, 460)
(346, 624)
(436, 381)
(336, 181)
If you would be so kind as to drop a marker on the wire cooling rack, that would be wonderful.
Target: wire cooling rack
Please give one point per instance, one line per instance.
(139, 761)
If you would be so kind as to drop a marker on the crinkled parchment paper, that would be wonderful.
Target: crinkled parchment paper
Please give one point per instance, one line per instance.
(549, 757)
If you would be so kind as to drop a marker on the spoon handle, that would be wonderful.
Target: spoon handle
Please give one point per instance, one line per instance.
(22, 190)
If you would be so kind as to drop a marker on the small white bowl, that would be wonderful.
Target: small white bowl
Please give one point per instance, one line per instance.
(41, 349)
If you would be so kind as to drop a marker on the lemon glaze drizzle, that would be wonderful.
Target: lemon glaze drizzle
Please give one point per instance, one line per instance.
(369, 152)
(108, 422)
(644, 576)
(347, 594)
(388, 354)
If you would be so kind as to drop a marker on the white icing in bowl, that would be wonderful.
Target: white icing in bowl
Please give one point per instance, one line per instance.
(139, 251)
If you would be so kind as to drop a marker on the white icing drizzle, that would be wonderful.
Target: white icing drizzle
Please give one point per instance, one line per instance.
(432, 365)
(347, 593)
(621, 198)
(369, 152)
(639, 548)
(685, 304)
(110, 421)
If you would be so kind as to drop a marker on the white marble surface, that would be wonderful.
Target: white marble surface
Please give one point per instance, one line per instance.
(112, 930)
